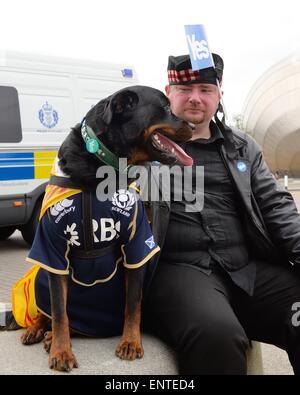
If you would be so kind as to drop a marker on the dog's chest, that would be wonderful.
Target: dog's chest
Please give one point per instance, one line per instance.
(110, 218)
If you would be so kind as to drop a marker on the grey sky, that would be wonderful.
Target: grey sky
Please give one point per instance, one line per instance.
(250, 35)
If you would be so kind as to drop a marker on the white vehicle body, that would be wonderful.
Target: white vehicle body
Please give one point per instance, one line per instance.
(41, 98)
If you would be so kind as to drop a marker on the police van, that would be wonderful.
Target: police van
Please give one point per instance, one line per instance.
(41, 98)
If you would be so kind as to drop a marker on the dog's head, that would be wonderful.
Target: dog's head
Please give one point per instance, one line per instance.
(134, 123)
(137, 123)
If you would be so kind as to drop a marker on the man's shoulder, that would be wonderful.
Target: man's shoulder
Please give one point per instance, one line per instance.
(239, 135)
(244, 139)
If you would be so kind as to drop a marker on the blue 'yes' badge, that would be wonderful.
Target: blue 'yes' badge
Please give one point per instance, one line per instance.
(242, 167)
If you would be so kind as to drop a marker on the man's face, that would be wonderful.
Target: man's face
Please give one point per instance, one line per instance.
(196, 103)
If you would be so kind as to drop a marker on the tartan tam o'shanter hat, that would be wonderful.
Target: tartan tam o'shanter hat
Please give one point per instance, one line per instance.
(180, 71)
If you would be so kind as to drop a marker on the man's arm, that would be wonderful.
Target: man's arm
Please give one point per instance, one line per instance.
(277, 207)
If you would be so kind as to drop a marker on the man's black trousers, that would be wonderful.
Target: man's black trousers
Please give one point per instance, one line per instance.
(208, 320)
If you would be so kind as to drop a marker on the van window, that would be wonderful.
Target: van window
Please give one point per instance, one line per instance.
(10, 121)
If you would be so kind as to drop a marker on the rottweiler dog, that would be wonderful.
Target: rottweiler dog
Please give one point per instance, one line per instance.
(134, 123)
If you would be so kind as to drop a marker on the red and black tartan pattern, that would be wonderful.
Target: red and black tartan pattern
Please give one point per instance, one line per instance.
(176, 77)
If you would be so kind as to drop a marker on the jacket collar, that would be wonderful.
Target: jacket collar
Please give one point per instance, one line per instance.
(232, 142)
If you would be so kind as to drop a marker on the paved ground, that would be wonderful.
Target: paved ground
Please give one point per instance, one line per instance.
(14, 357)
(94, 356)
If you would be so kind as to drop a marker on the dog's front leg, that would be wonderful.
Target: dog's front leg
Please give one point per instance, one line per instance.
(61, 356)
(130, 346)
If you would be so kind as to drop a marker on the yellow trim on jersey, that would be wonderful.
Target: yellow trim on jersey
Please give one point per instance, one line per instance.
(99, 281)
(142, 262)
(134, 186)
(48, 268)
(54, 194)
(51, 269)
(133, 222)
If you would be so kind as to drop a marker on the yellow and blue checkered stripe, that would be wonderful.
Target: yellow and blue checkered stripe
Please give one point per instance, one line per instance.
(26, 165)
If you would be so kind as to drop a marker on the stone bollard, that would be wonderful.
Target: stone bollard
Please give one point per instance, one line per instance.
(254, 359)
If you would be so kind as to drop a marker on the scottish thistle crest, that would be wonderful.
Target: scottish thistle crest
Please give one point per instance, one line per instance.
(123, 199)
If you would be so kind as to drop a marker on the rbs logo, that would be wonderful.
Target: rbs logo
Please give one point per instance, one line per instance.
(108, 229)
(199, 49)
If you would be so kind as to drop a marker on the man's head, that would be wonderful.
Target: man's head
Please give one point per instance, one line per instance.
(194, 95)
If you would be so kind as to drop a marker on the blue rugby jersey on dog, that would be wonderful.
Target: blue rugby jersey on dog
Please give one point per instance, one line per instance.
(96, 286)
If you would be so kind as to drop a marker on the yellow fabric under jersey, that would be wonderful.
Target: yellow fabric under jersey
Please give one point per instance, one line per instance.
(23, 299)
(96, 293)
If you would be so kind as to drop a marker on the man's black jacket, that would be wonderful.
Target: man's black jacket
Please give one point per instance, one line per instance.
(270, 217)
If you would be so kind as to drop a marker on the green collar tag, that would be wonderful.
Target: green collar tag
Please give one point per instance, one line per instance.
(92, 146)
(96, 147)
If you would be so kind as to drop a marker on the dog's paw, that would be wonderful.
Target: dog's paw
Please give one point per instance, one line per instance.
(63, 361)
(32, 335)
(47, 341)
(129, 350)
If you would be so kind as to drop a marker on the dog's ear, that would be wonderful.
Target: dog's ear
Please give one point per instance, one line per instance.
(120, 103)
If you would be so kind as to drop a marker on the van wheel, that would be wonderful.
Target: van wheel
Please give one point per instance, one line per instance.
(28, 230)
(6, 232)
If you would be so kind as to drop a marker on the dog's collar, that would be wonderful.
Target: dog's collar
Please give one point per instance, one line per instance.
(96, 147)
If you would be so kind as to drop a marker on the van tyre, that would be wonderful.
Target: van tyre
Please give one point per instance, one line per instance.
(6, 232)
(28, 230)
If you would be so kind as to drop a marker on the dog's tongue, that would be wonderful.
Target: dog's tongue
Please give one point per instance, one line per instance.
(174, 149)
